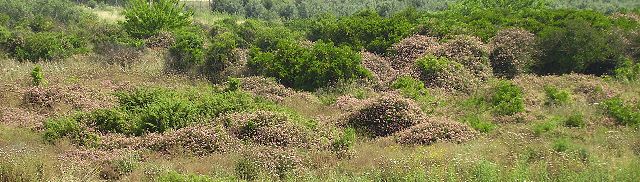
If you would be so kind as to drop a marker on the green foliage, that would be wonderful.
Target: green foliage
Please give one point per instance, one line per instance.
(173, 176)
(37, 77)
(365, 29)
(410, 87)
(147, 18)
(627, 72)
(220, 54)
(622, 112)
(56, 129)
(561, 145)
(247, 169)
(579, 45)
(546, 126)
(61, 11)
(507, 98)
(345, 141)
(556, 96)
(233, 84)
(300, 67)
(188, 50)
(111, 120)
(479, 123)
(575, 120)
(290, 9)
(45, 45)
(486, 171)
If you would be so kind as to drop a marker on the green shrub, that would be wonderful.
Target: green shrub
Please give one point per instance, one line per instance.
(299, 67)
(41, 24)
(561, 145)
(167, 114)
(111, 120)
(365, 29)
(480, 124)
(486, 171)
(579, 46)
(546, 126)
(621, 112)
(444, 73)
(56, 129)
(188, 50)
(575, 120)
(507, 98)
(37, 77)
(173, 176)
(145, 19)
(46, 45)
(627, 72)
(556, 96)
(220, 54)
(410, 87)
(345, 141)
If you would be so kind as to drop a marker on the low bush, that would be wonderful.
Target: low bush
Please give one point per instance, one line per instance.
(556, 96)
(627, 72)
(299, 67)
(575, 121)
(144, 19)
(432, 131)
(479, 123)
(346, 141)
(220, 55)
(188, 50)
(37, 77)
(513, 52)
(546, 126)
(111, 120)
(45, 45)
(365, 29)
(247, 169)
(410, 87)
(561, 145)
(385, 116)
(269, 128)
(623, 113)
(70, 128)
(507, 99)
(444, 73)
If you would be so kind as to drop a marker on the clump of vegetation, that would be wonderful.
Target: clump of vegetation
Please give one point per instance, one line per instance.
(45, 45)
(562, 145)
(269, 128)
(188, 50)
(575, 120)
(145, 19)
(513, 52)
(296, 66)
(385, 116)
(622, 112)
(507, 99)
(366, 29)
(247, 169)
(556, 96)
(627, 72)
(412, 88)
(546, 126)
(67, 128)
(433, 131)
(37, 77)
(444, 73)
(479, 123)
(345, 142)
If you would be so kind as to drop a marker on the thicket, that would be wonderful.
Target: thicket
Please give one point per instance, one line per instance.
(147, 18)
(363, 30)
(290, 9)
(624, 113)
(507, 98)
(308, 68)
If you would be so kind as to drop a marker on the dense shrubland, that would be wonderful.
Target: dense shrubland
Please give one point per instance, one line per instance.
(384, 90)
